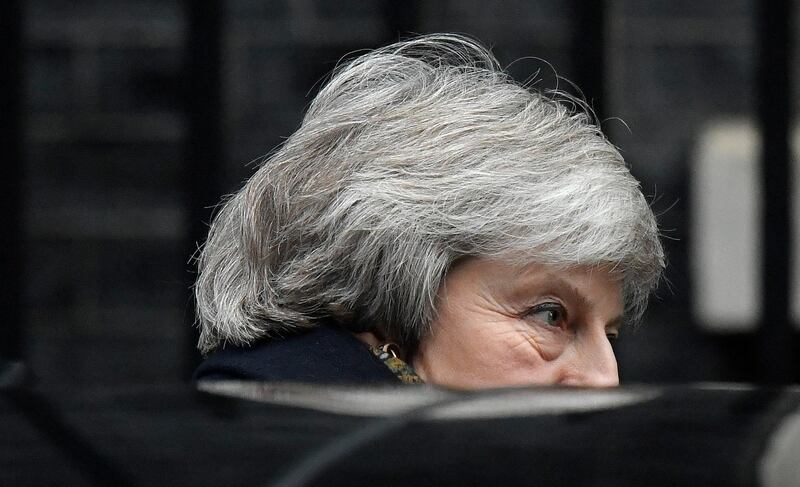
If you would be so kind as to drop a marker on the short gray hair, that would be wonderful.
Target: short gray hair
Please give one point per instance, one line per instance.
(412, 157)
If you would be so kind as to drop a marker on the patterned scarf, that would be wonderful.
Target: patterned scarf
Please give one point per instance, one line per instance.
(402, 370)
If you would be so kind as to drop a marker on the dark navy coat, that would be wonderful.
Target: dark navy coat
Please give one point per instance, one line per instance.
(326, 354)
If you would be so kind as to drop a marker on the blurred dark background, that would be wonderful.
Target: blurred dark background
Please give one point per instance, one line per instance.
(123, 122)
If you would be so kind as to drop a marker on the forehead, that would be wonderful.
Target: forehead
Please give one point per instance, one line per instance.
(589, 286)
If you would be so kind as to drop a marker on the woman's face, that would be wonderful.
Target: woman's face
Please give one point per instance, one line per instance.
(504, 326)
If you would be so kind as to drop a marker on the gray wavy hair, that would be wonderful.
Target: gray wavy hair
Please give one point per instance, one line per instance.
(412, 157)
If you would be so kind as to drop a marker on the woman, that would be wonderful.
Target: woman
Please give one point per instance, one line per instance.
(467, 231)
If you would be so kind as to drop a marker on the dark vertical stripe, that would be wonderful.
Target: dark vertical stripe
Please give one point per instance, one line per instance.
(11, 140)
(588, 52)
(774, 102)
(204, 141)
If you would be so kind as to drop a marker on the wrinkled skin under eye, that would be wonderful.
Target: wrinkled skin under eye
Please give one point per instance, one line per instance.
(547, 329)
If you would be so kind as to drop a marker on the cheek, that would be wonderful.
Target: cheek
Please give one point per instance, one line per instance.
(504, 344)
(550, 342)
(534, 345)
(490, 352)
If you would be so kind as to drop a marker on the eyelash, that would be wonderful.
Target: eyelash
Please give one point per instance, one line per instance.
(549, 307)
(562, 318)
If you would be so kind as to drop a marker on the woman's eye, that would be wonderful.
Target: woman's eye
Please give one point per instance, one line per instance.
(551, 314)
(612, 337)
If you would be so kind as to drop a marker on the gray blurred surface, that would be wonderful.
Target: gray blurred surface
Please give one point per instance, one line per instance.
(286, 435)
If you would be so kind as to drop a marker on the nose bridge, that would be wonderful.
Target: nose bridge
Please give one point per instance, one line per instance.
(592, 362)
